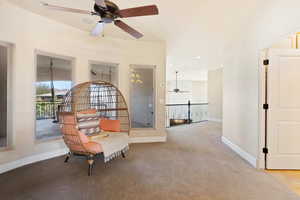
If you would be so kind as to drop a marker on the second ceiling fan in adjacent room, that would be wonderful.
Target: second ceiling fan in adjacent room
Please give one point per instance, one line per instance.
(109, 12)
(177, 90)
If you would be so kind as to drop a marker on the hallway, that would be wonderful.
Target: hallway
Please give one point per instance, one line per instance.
(192, 165)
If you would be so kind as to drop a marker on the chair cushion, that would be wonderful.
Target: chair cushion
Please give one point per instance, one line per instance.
(93, 147)
(88, 111)
(67, 119)
(110, 125)
(88, 122)
(83, 138)
(87, 117)
(90, 131)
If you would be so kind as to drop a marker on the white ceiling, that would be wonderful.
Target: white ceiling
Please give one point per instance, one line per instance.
(190, 28)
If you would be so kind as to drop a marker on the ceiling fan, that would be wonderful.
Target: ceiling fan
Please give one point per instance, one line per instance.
(177, 90)
(109, 12)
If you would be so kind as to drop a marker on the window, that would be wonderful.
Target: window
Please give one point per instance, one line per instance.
(142, 97)
(105, 72)
(4, 93)
(53, 81)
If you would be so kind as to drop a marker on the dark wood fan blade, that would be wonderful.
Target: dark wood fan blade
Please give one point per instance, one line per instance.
(73, 10)
(128, 29)
(139, 11)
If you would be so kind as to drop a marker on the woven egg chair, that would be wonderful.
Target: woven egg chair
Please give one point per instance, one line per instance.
(98, 99)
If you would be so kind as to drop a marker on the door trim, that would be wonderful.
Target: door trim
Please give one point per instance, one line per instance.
(261, 112)
(264, 54)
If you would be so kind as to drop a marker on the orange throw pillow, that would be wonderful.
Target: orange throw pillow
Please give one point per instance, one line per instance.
(110, 125)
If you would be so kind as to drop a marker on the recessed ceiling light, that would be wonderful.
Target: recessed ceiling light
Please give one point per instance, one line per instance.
(198, 57)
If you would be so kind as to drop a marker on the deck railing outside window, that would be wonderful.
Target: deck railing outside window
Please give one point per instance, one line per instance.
(178, 114)
(44, 110)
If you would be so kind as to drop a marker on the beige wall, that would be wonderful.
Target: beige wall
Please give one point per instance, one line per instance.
(215, 94)
(197, 92)
(267, 23)
(29, 32)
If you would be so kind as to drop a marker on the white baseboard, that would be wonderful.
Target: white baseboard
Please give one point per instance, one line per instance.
(215, 120)
(48, 155)
(31, 159)
(246, 156)
(152, 139)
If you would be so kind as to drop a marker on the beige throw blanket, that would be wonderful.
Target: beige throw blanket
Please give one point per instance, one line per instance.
(113, 145)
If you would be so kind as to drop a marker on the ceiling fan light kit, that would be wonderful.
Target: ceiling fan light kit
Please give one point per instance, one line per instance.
(109, 13)
(98, 29)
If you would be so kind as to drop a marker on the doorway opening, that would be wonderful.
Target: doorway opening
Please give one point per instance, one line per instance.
(54, 78)
(194, 96)
(142, 96)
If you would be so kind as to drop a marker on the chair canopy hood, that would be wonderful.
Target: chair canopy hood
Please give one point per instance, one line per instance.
(101, 96)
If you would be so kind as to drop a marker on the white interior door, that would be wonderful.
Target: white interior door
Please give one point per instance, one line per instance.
(284, 109)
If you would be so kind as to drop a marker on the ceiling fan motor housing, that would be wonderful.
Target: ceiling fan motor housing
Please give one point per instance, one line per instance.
(176, 90)
(108, 14)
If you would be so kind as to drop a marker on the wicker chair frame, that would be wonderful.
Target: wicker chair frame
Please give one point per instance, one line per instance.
(101, 96)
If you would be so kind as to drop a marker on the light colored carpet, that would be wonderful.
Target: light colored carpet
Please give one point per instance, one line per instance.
(192, 165)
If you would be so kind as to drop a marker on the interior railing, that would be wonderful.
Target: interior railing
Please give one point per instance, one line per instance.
(179, 114)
